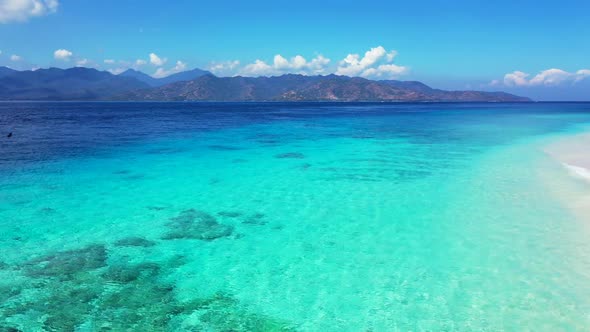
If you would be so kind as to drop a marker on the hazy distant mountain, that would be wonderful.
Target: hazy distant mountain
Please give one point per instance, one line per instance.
(4, 71)
(90, 84)
(154, 82)
(307, 88)
(140, 76)
(65, 84)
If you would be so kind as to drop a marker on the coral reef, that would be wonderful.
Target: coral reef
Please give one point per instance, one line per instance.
(194, 224)
(65, 264)
(255, 219)
(290, 155)
(230, 214)
(134, 241)
(117, 297)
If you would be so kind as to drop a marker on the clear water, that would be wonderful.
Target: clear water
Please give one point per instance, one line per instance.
(290, 217)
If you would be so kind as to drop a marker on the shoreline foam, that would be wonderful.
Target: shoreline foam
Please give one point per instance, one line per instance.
(581, 172)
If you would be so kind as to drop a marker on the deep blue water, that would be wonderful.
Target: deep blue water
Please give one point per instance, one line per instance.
(45, 131)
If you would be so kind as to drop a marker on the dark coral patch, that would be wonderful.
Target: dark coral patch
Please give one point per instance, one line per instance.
(224, 148)
(305, 166)
(47, 210)
(134, 177)
(155, 208)
(194, 224)
(230, 214)
(129, 273)
(255, 219)
(126, 297)
(290, 155)
(224, 313)
(64, 264)
(134, 241)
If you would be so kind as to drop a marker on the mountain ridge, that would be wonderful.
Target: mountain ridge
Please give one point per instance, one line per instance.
(77, 83)
(80, 83)
(156, 82)
(291, 87)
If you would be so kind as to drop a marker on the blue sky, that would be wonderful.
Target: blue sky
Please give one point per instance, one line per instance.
(490, 45)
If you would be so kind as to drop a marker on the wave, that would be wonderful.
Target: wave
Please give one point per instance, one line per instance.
(578, 171)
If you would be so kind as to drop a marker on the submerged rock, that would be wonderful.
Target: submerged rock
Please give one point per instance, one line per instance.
(47, 210)
(129, 273)
(224, 148)
(64, 264)
(135, 241)
(224, 313)
(290, 155)
(7, 292)
(68, 308)
(194, 224)
(155, 208)
(305, 166)
(132, 298)
(255, 219)
(230, 214)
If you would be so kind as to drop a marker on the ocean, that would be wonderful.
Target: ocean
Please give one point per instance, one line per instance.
(291, 217)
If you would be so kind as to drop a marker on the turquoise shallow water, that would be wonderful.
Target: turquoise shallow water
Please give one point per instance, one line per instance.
(280, 217)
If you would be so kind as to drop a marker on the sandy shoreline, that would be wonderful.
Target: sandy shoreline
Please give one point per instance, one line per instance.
(573, 155)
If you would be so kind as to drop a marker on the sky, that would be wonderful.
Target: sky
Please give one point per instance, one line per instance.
(536, 48)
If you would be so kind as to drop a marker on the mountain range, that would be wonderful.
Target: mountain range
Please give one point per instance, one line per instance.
(81, 83)
(154, 82)
(307, 88)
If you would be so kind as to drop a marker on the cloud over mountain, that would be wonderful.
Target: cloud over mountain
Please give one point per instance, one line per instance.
(549, 77)
(280, 65)
(62, 54)
(376, 62)
(156, 60)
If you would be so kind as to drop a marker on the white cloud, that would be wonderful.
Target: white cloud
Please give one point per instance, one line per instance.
(280, 65)
(493, 83)
(225, 68)
(62, 54)
(582, 74)
(15, 58)
(318, 64)
(258, 68)
(156, 60)
(140, 62)
(549, 77)
(517, 78)
(116, 71)
(161, 72)
(385, 71)
(376, 63)
(22, 10)
(83, 63)
(109, 61)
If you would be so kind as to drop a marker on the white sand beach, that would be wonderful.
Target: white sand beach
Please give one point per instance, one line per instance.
(573, 155)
